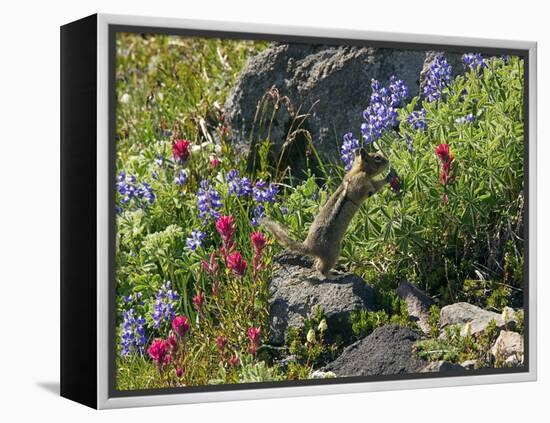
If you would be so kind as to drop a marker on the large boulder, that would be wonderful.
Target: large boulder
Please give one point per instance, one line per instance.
(479, 319)
(331, 83)
(388, 350)
(296, 291)
(418, 304)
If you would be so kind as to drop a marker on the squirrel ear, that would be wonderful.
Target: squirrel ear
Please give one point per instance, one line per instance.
(363, 153)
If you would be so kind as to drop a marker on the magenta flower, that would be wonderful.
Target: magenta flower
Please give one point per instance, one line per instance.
(198, 300)
(221, 342)
(214, 162)
(258, 242)
(158, 351)
(171, 343)
(226, 228)
(444, 153)
(180, 325)
(254, 335)
(234, 361)
(211, 267)
(180, 150)
(179, 372)
(236, 263)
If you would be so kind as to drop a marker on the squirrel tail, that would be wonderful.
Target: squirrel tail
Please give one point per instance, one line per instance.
(281, 233)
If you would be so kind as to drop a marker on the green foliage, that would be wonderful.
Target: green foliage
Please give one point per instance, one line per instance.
(308, 346)
(418, 235)
(433, 320)
(455, 348)
(364, 322)
(469, 248)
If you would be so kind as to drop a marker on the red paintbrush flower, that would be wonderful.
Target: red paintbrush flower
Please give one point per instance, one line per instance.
(226, 228)
(158, 351)
(180, 325)
(236, 263)
(254, 335)
(221, 342)
(180, 150)
(198, 300)
(211, 267)
(258, 242)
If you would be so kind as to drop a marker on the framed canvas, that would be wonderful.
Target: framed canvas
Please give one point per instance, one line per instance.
(254, 211)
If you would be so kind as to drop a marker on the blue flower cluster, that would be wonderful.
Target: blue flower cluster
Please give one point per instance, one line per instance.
(132, 336)
(418, 119)
(474, 61)
(462, 120)
(133, 297)
(259, 214)
(438, 77)
(241, 187)
(164, 306)
(195, 240)
(264, 193)
(349, 146)
(181, 177)
(208, 201)
(129, 189)
(381, 114)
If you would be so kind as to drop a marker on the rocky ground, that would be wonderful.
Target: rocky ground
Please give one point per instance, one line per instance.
(296, 291)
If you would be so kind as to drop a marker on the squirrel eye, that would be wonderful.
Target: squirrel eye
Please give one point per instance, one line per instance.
(377, 159)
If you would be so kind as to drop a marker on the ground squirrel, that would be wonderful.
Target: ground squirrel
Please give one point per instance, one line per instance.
(325, 235)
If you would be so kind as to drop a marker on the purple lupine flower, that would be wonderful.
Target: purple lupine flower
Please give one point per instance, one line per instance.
(132, 336)
(208, 201)
(146, 192)
(259, 214)
(399, 91)
(263, 193)
(195, 240)
(381, 114)
(128, 189)
(349, 146)
(418, 119)
(164, 306)
(181, 177)
(284, 211)
(463, 119)
(473, 61)
(241, 187)
(159, 160)
(438, 77)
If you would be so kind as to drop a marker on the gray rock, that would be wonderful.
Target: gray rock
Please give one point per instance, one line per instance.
(462, 313)
(296, 291)
(418, 303)
(332, 83)
(388, 350)
(508, 347)
(442, 366)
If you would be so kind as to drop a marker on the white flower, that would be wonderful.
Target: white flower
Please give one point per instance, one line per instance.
(311, 336)
(125, 98)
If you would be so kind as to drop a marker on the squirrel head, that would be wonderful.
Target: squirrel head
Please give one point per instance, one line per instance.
(370, 163)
